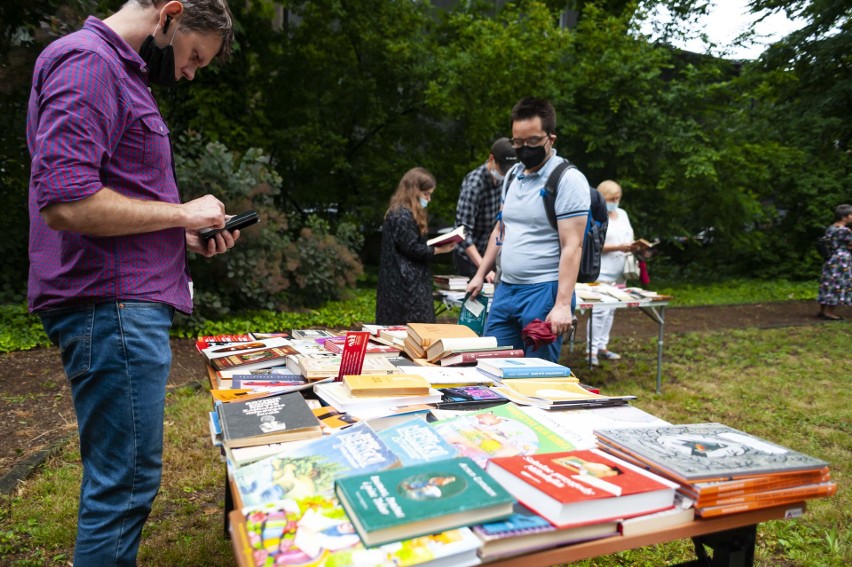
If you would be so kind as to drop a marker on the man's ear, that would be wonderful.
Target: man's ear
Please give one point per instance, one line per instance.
(170, 11)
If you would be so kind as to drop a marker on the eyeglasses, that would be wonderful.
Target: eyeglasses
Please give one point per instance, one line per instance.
(531, 141)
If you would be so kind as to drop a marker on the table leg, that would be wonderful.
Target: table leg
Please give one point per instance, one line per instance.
(229, 505)
(732, 548)
(662, 323)
(589, 337)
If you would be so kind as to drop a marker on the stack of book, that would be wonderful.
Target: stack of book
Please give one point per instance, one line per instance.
(374, 348)
(272, 419)
(555, 393)
(318, 365)
(529, 367)
(391, 335)
(248, 355)
(420, 336)
(450, 282)
(725, 471)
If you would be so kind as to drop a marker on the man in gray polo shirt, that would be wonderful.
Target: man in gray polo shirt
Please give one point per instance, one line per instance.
(539, 264)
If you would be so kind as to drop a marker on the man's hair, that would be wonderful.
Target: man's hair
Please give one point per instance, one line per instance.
(841, 211)
(204, 16)
(530, 107)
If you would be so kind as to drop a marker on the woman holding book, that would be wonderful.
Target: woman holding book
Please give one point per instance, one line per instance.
(618, 244)
(404, 293)
(835, 283)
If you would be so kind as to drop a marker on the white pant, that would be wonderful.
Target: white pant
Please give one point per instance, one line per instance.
(601, 323)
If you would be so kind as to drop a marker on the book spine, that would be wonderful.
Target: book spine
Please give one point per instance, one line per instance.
(790, 493)
(534, 373)
(746, 485)
(714, 511)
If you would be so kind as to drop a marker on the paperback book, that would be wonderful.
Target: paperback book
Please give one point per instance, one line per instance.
(555, 393)
(411, 501)
(465, 357)
(415, 441)
(311, 468)
(381, 385)
(424, 334)
(578, 488)
(337, 396)
(529, 367)
(444, 347)
(273, 419)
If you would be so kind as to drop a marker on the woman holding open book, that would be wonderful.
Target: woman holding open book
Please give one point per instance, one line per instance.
(619, 243)
(404, 293)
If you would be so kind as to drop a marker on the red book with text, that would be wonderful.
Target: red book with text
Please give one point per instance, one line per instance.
(577, 488)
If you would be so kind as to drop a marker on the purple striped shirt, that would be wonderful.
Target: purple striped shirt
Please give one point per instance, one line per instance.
(93, 123)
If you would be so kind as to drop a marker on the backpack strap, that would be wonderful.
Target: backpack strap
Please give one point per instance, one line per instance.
(551, 190)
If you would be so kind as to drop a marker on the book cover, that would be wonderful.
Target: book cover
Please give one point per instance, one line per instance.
(443, 347)
(401, 503)
(706, 451)
(792, 493)
(337, 396)
(529, 367)
(215, 350)
(316, 531)
(555, 393)
(467, 357)
(525, 531)
(253, 359)
(332, 420)
(311, 468)
(424, 334)
(577, 488)
(454, 236)
(823, 491)
(500, 431)
(473, 312)
(312, 334)
(335, 345)
(323, 364)
(415, 441)
(267, 420)
(440, 376)
(386, 385)
(706, 491)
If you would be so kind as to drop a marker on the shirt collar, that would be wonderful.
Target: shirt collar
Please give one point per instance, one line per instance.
(118, 43)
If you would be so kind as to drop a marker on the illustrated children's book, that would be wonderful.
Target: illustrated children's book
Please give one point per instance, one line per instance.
(705, 451)
(578, 488)
(407, 502)
(415, 441)
(312, 467)
(500, 431)
(316, 532)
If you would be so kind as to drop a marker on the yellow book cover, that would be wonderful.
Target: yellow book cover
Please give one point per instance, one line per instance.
(386, 385)
(424, 334)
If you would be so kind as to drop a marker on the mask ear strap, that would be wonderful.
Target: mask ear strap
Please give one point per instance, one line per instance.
(174, 33)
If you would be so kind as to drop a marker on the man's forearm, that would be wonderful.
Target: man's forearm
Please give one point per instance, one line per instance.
(107, 213)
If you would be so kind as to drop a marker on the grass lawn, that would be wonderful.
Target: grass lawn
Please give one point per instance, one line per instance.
(787, 385)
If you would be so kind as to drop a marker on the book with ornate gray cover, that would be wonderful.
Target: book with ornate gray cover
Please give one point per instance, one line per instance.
(704, 451)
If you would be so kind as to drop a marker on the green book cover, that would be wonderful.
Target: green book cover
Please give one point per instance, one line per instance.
(473, 313)
(502, 431)
(396, 504)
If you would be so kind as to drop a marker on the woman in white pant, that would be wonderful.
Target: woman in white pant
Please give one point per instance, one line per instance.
(619, 242)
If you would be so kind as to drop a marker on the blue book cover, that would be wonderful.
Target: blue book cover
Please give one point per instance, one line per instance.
(310, 469)
(522, 367)
(415, 441)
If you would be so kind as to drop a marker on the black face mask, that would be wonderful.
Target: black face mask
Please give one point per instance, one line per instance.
(160, 62)
(531, 157)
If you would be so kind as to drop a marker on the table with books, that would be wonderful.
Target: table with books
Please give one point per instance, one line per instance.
(452, 452)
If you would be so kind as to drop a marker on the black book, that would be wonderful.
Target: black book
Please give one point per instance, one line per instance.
(274, 419)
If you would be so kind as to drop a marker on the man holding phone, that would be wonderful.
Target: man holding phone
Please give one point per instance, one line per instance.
(108, 240)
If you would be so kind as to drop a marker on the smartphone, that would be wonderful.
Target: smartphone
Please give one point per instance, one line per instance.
(237, 222)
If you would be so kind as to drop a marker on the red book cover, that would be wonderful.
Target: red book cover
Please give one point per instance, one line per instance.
(354, 350)
(336, 345)
(582, 487)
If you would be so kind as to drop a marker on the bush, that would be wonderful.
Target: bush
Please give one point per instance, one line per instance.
(272, 267)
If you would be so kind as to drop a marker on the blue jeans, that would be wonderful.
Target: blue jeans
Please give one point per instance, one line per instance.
(117, 358)
(514, 307)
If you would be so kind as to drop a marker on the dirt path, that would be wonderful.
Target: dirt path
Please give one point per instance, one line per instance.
(36, 412)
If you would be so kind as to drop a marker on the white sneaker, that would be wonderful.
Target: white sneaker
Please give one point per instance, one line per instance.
(595, 361)
(608, 355)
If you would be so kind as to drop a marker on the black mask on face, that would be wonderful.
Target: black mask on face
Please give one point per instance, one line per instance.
(531, 157)
(159, 60)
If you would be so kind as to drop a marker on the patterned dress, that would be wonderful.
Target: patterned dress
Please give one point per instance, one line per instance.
(835, 284)
(404, 293)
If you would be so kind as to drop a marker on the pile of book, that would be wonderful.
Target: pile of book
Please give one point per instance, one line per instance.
(420, 336)
(723, 470)
(450, 282)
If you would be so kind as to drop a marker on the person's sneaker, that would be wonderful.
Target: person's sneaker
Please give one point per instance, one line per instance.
(595, 361)
(608, 355)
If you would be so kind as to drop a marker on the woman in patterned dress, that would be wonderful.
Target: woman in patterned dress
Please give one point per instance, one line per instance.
(835, 284)
(404, 293)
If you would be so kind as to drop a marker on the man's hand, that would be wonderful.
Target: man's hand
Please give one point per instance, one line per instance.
(491, 276)
(560, 319)
(219, 244)
(204, 212)
(474, 286)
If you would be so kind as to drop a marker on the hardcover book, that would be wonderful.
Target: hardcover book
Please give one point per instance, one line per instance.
(499, 431)
(272, 419)
(452, 237)
(335, 345)
(555, 393)
(311, 468)
(768, 499)
(398, 504)
(577, 488)
(706, 451)
(377, 385)
(466, 357)
(316, 531)
(530, 367)
(337, 396)
(415, 441)
(473, 312)
(443, 347)
(525, 531)
(424, 334)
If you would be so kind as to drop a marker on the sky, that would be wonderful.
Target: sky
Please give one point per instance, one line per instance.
(729, 19)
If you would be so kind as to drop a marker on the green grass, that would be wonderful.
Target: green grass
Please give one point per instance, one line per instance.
(788, 385)
(736, 291)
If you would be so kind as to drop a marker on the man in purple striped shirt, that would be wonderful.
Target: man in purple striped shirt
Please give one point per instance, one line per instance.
(108, 241)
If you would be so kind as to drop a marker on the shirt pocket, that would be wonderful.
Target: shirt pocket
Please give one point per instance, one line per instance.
(157, 151)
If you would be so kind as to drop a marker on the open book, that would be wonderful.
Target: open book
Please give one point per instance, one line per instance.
(642, 244)
(455, 235)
